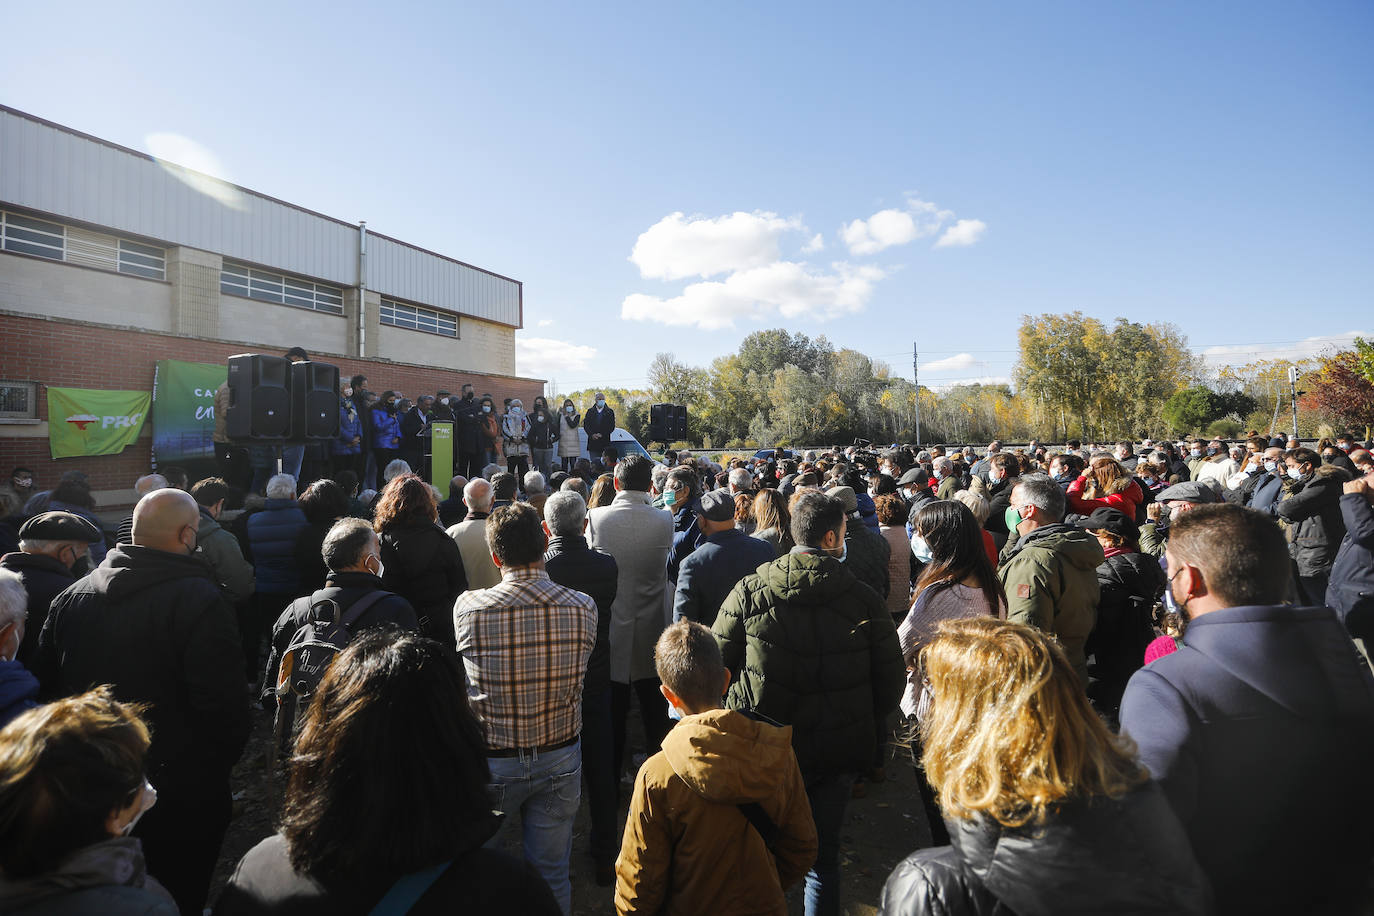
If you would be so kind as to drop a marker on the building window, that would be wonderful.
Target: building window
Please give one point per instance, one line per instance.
(401, 315)
(27, 235)
(33, 236)
(251, 283)
(18, 401)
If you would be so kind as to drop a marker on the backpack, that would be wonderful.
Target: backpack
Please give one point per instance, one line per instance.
(325, 633)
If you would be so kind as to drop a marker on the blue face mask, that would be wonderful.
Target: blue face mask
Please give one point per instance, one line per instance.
(921, 549)
(1170, 602)
(669, 497)
(486, 408)
(673, 712)
(844, 552)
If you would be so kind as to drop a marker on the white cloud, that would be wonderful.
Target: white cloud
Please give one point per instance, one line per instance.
(954, 363)
(964, 232)
(677, 247)
(887, 228)
(545, 357)
(817, 243)
(1240, 354)
(783, 288)
(545, 322)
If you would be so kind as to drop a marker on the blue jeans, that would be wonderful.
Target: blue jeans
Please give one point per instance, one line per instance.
(828, 796)
(292, 457)
(545, 789)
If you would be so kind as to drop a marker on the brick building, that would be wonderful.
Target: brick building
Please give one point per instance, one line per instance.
(111, 260)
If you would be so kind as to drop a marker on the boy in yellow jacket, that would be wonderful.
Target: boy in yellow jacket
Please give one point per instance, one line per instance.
(719, 822)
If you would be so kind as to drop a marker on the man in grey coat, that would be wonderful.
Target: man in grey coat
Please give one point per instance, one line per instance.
(640, 538)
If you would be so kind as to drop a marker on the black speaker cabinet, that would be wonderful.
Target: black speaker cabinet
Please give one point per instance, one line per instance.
(260, 404)
(314, 401)
(667, 422)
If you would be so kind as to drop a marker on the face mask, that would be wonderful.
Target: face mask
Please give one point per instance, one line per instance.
(1149, 481)
(921, 549)
(148, 798)
(1211, 451)
(1012, 517)
(909, 493)
(1170, 602)
(1196, 452)
(486, 408)
(673, 712)
(844, 552)
(1271, 466)
(600, 404)
(1295, 473)
(669, 498)
(380, 568)
(568, 409)
(348, 392)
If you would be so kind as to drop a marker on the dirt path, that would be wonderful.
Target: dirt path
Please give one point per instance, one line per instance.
(880, 829)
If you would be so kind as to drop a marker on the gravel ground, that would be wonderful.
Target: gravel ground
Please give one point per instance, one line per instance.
(880, 829)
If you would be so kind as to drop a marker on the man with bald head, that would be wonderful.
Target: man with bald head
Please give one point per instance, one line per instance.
(471, 535)
(151, 621)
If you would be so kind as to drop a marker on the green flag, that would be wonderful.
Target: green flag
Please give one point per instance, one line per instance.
(84, 421)
(184, 410)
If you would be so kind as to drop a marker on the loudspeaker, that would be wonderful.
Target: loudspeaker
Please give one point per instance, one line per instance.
(259, 402)
(314, 401)
(667, 422)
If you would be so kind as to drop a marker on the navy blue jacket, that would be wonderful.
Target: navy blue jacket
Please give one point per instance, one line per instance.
(1260, 730)
(1351, 591)
(44, 579)
(18, 691)
(572, 564)
(687, 537)
(350, 428)
(272, 534)
(707, 576)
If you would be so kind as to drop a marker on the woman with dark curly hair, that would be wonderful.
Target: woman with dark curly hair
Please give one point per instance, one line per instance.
(387, 806)
(420, 562)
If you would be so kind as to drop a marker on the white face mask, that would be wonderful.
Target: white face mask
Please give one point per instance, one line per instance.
(921, 549)
(380, 568)
(147, 798)
(1295, 473)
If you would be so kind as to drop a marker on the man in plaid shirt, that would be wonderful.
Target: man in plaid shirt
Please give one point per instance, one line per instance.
(525, 645)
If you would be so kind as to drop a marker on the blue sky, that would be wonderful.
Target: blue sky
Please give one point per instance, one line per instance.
(1204, 164)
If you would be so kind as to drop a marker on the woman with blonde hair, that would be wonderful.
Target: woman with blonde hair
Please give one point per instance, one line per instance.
(773, 520)
(1048, 811)
(1104, 484)
(603, 491)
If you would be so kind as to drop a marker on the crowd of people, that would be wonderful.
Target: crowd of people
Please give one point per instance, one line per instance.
(1131, 679)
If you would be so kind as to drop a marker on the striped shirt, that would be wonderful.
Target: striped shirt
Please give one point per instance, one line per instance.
(525, 644)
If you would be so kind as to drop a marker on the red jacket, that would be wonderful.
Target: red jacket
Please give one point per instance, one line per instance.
(1126, 501)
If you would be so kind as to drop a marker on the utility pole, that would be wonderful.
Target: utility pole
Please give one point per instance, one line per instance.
(1293, 395)
(916, 380)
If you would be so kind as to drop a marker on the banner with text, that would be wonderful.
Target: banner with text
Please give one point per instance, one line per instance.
(86, 421)
(184, 410)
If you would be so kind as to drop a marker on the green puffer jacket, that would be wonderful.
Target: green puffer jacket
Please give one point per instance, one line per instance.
(810, 646)
(1051, 583)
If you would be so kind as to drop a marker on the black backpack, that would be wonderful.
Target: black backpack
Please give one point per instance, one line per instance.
(325, 633)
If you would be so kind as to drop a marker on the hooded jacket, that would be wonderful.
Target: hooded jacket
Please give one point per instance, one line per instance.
(221, 550)
(688, 848)
(808, 646)
(1126, 855)
(1051, 582)
(156, 626)
(386, 428)
(105, 877)
(1310, 513)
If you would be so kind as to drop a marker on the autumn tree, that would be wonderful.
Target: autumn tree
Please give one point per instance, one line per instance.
(1342, 389)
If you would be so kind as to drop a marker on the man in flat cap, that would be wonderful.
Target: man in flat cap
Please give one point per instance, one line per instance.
(1172, 502)
(725, 557)
(53, 548)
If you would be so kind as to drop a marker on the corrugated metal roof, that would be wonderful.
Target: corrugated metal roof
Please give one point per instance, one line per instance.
(55, 170)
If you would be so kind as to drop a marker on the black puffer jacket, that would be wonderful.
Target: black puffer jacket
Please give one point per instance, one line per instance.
(807, 645)
(1130, 584)
(1310, 511)
(572, 564)
(156, 626)
(867, 553)
(423, 565)
(1128, 855)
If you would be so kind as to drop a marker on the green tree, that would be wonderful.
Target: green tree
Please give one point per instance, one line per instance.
(1189, 410)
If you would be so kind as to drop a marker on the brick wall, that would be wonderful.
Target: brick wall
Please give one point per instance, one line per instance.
(69, 354)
